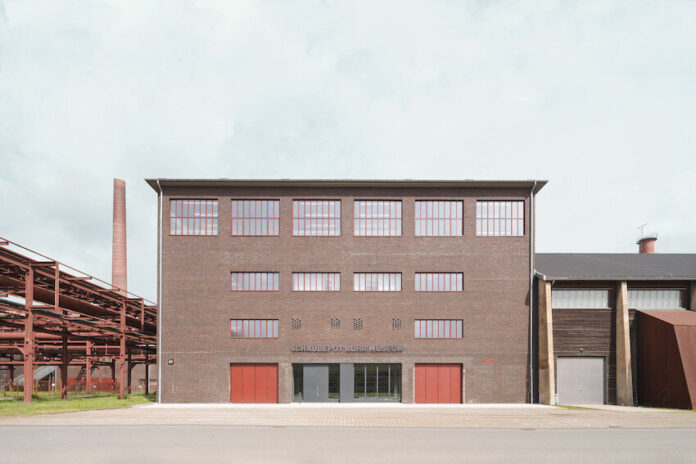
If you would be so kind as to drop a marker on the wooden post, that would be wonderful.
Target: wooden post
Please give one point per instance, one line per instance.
(547, 365)
(624, 377)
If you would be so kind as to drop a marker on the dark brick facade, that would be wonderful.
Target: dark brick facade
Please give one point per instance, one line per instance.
(197, 304)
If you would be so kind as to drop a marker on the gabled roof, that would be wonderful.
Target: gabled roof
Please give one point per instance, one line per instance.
(615, 266)
(393, 183)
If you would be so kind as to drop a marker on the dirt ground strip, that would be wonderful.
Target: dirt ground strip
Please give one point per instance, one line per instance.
(526, 417)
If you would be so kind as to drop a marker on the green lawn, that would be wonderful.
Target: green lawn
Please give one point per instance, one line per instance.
(46, 405)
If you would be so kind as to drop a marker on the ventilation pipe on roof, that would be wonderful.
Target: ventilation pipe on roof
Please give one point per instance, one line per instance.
(646, 244)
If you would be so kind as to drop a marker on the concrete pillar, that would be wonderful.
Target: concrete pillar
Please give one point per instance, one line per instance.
(547, 364)
(624, 378)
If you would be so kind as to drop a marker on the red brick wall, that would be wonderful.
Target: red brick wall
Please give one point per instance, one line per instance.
(197, 303)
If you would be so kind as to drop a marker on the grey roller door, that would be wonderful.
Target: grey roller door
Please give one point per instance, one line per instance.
(580, 380)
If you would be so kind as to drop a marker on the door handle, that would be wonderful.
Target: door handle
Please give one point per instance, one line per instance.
(317, 391)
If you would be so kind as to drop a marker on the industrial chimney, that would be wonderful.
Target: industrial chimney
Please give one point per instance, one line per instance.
(646, 244)
(119, 278)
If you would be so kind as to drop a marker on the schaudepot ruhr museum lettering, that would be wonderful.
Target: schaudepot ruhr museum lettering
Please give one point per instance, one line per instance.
(346, 348)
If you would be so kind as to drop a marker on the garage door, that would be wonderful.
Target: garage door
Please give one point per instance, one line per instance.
(254, 383)
(580, 380)
(438, 383)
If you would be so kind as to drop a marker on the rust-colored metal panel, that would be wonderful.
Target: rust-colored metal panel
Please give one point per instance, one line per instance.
(272, 383)
(235, 383)
(438, 383)
(443, 384)
(456, 383)
(667, 359)
(253, 383)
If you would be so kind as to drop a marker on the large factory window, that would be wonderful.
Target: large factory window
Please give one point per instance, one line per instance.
(316, 217)
(193, 217)
(439, 218)
(500, 218)
(255, 217)
(377, 218)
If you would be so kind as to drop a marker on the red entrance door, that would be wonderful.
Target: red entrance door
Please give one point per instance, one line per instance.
(254, 383)
(438, 383)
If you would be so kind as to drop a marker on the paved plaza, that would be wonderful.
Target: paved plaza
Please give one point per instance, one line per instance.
(349, 434)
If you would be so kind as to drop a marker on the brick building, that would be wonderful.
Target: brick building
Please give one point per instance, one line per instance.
(340, 290)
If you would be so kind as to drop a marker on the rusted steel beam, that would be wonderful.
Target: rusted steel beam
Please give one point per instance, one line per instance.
(28, 351)
(122, 352)
(88, 366)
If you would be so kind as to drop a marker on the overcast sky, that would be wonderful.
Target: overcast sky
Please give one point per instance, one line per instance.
(597, 97)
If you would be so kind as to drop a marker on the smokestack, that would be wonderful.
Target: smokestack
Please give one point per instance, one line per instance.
(119, 277)
(646, 244)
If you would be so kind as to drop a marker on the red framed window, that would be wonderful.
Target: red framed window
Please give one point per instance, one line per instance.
(316, 217)
(258, 218)
(255, 281)
(377, 218)
(254, 328)
(193, 217)
(316, 281)
(438, 328)
(439, 218)
(500, 218)
(377, 281)
(439, 281)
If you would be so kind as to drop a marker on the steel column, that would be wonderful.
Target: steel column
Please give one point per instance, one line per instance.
(130, 371)
(28, 350)
(147, 374)
(64, 361)
(88, 367)
(122, 354)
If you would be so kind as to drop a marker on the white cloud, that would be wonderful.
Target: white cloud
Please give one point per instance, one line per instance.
(598, 97)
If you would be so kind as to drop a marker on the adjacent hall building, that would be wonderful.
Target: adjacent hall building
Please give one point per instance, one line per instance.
(617, 328)
(346, 291)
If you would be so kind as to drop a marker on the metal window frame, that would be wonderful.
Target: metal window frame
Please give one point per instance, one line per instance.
(451, 274)
(268, 218)
(308, 220)
(305, 274)
(380, 275)
(500, 220)
(430, 221)
(254, 338)
(372, 217)
(213, 219)
(245, 290)
(425, 337)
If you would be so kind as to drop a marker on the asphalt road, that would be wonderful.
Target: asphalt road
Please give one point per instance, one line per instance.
(243, 444)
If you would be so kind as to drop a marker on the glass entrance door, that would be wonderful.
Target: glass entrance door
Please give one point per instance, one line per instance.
(377, 382)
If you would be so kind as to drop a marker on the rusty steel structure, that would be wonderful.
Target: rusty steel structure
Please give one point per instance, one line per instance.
(53, 314)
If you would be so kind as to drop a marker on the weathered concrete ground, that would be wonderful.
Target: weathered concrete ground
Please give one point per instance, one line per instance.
(351, 435)
(466, 416)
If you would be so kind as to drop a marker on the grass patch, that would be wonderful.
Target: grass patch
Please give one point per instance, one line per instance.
(42, 404)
